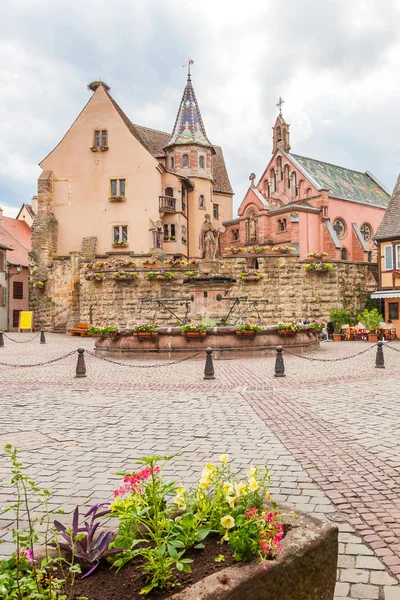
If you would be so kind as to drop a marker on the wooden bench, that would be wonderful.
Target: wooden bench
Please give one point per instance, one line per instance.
(80, 329)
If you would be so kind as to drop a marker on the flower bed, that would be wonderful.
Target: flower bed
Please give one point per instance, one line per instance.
(248, 329)
(194, 331)
(290, 328)
(320, 267)
(162, 529)
(251, 275)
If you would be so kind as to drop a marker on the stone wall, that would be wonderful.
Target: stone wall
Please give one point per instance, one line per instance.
(293, 293)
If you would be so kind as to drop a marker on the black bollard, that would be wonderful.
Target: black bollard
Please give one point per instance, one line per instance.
(209, 368)
(380, 359)
(80, 365)
(42, 338)
(279, 364)
(1, 340)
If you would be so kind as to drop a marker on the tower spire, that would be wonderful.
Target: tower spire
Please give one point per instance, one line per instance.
(190, 62)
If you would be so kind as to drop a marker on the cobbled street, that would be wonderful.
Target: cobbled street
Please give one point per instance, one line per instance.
(329, 431)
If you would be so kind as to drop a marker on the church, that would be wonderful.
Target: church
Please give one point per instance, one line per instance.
(117, 186)
(308, 204)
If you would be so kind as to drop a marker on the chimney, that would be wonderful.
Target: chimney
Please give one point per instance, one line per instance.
(34, 204)
(1, 213)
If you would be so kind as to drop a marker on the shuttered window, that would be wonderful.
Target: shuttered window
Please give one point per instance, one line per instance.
(18, 290)
(4, 296)
(3, 262)
(388, 258)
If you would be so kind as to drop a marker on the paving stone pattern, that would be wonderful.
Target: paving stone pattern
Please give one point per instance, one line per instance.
(329, 431)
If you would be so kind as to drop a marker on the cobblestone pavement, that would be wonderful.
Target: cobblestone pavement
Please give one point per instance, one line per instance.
(329, 431)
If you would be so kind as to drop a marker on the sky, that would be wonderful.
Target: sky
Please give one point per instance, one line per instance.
(335, 63)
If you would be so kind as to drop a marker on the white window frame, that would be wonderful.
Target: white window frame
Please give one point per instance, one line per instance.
(388, 255)
(120, 233)
(118, 180)
(397, 255)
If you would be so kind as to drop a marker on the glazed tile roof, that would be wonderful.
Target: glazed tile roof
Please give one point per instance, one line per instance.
(343, 183)
(17, 235)
(155, 141)
(390, 224)
(189, 127)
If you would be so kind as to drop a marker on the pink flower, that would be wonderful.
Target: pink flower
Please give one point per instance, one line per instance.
(252, 513)
(26, 553)
(264, 566)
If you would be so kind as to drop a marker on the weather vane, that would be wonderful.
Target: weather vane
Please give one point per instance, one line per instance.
(190, 62)
(279, 105)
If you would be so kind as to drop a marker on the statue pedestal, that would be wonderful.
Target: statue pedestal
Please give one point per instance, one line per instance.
(207, 265)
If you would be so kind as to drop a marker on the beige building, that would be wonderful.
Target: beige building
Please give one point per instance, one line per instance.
(129, 188)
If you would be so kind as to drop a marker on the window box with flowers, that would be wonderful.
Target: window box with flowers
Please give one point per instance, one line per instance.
(396, 273)
(289, 329)
(109, 331)
(179, 263)
(120, 244)
(283, 249)
(39, 285)
(95, 148)
(124, 275)
(96, 277)
(319, 267)
(317, 255)
(238, 250)
(103, 148)
(248, 329)
(145, 330)
(192, 262)
(194, 331)
(251, 275)
(149, 263)
(117, 198)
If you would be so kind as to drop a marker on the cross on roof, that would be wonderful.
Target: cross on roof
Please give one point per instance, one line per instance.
(279, 105)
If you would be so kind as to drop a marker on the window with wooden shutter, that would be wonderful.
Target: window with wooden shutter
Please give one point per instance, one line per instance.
(3, 262)
(388, 258)
(18, 290)
(16, 318)
(4, 296)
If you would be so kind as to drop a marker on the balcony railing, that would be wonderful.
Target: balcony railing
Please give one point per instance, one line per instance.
(167, 203)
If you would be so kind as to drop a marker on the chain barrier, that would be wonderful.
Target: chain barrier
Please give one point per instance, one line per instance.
(121, 364)
(332, 359)
(392, 348)
(41, 364)
(21, 341)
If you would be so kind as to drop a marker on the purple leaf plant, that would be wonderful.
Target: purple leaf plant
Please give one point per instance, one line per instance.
(81, 540)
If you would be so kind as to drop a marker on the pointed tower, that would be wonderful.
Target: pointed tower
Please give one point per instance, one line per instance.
(280, 135)
(189, 151)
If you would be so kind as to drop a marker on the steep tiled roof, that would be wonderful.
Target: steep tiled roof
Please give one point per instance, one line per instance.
(155, 141)
(189, 127)
(390, 224)
(29, 209)
(17, 235)
(344, 183)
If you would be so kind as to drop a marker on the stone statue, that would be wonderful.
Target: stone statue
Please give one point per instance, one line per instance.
(253, 228)
(252, 177)
(209, 239)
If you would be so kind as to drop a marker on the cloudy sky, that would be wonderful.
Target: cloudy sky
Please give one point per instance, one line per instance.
(336, 63)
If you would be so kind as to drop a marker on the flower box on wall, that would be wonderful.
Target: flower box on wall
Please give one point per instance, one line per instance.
(119, 244)
(117, 198)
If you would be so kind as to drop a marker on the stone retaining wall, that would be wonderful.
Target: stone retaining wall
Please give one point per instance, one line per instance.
(292, 292)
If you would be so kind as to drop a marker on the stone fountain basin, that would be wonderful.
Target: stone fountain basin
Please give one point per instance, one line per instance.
(304, 570)
(223, 340)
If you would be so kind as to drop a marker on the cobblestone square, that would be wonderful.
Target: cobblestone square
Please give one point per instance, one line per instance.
(329, 432)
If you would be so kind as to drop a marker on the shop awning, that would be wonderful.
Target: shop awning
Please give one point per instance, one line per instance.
(386, 294)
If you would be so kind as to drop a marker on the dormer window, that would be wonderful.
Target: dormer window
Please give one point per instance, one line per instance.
(185, 161)
(201, 162)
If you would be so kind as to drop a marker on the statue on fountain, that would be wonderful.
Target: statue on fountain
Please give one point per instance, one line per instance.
(209, 239)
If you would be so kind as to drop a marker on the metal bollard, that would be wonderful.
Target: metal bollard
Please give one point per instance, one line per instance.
(209, 368)
(380, 359)
(1, 340)
(80, 365)
(279, 364)
(42, 338)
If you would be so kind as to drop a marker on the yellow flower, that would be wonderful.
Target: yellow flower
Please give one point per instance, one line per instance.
(268, 496)
(252, 472)
(253, 485)
(231, 500)
(228, 487)
(228, 522)
(226, 536)
(180, 490)
(224, 458)
(179, 499)
(241, 489)
(205, 482)
(210, 467)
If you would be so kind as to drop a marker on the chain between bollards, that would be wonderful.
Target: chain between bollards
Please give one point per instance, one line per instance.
(209, 368)
(279, 364)
(380, 359)
(42, 338)
(1, 340)
(80, 365)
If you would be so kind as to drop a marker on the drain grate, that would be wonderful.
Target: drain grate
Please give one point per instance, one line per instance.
(260, 388)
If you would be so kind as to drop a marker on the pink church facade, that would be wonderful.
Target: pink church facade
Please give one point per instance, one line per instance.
(310, 205)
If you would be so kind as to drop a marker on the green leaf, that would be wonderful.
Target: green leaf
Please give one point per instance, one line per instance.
(172, 551)
(147, 589)
(202, 533)
(177, 543)
(179, 566)
(199, 546)
(187, 569)
(161, 550)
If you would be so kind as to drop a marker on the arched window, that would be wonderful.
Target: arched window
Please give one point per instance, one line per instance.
(294, 183)
(166, 232)
(281, 224)
(308, 192)
(202, 201)
(266, 187)
(172, 162)
(235, 235)
(173, 236)
(184, 234)
(169, 192)
(279, 167)
(301, 188)
(344, 253)
(273, 180)
(185, 160)
(201, 162)
(278, 134)
(286, 176)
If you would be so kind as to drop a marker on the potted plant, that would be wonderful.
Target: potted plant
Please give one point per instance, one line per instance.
(194, 331)
(94, 148)
(338, 317)
(152, 274)
(251, 275)
(39, 285)
(228, 250)
(179, 262)
(120, 244)
(145, 330)
(149, 263)
(288, 328)
(266, 249)
(107, 331)
(240, 250)
(248, 329)
(320, 267)
(372, 320)
(192, 262)
(117, 198)
(103, 148)
(317, 255)
(316, 326)
(396, 272)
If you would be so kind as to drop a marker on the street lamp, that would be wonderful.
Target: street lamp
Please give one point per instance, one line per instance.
(18, 271)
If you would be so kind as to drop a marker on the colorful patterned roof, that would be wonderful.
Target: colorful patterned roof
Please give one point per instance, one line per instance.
(189, 127)
(344, 183)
